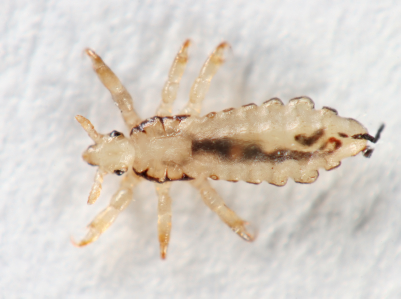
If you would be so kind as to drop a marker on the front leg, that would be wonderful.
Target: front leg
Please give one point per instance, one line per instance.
(105, 218)
(120, 95)
(213, 200)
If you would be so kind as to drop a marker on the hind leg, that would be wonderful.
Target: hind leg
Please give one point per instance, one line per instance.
(202, 83)
(213, 200)
(104, 219)
(164, 217)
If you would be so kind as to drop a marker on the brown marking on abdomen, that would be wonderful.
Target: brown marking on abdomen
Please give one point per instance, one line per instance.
(284, 155)
(343, 135)
(311, 140)
(364, 136)
(228, 110)
(250, 104)
(218, 147)
(330, 109)
(232, 150)
(335, 142)
(275, 100)
(211, 115)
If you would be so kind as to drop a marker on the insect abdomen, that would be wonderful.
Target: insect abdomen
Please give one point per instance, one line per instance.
(271, 142)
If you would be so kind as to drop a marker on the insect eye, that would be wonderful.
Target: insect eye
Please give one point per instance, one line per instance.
(119, 172)
(115, 134)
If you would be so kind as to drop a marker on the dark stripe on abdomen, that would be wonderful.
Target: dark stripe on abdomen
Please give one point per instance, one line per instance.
(233, 150)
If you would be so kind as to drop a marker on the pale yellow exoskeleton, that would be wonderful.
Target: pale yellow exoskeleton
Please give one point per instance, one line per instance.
(271, 142)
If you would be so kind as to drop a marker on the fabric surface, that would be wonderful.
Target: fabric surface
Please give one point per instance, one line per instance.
(337, 238)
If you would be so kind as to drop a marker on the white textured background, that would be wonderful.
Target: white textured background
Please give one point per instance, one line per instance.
(337, 238)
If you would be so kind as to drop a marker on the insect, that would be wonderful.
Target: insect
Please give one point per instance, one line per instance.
(271, 142)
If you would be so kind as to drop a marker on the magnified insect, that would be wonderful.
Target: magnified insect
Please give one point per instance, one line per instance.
(271, 142)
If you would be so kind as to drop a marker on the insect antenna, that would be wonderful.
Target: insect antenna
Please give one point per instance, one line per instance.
(96, 187)
(96, 137)
(89, 128)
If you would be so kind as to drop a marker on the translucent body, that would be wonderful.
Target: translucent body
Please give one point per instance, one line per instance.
(251, 144)
(271, 142)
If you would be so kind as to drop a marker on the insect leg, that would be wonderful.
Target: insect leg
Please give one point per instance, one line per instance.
(105, 218)
(202, 83)
(164, 217)
(89, 128)
(170, 89)
(118, 92)
(96, 187)
(212, 199)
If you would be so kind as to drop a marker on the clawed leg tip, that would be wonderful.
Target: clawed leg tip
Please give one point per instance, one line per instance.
(89, 237)
(224, 45)
(80, 118)
(96, 60)
(248, 232)
(221, 49)
(90, 53)
(163, 253)
(78, 244)
(95, 192)
(248, 237)
(187, 43)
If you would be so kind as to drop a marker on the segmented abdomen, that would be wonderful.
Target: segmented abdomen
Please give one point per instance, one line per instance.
(271, 142)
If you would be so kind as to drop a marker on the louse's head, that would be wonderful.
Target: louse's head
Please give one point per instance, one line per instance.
(112, 153)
